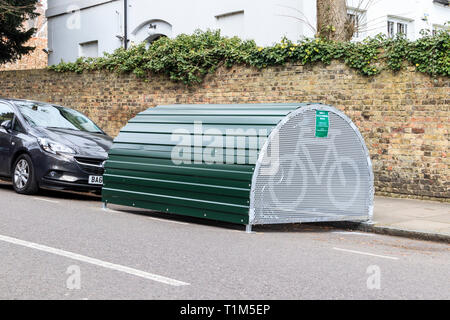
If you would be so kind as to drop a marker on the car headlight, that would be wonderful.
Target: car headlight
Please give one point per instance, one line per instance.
(54, 147)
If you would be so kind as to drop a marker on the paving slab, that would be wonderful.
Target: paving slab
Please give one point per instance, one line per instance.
(415, 217)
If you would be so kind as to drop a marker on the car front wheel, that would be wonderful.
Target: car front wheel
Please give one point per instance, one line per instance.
(24, 180)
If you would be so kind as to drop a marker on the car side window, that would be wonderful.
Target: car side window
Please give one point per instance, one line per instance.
(17, 126)
(6, 113)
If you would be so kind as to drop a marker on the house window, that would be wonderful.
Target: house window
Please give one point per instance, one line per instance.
(402, 28)
(397, 26)
(89, 49)
(354, 19)
(357, 18)
(390, 30)
(231, 24)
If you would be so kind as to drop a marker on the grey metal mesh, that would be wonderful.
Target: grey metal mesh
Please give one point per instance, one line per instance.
(315, 179)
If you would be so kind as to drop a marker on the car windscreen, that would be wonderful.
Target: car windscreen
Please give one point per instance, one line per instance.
(50, 116)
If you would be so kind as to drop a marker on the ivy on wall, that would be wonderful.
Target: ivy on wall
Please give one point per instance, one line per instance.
(189, 58)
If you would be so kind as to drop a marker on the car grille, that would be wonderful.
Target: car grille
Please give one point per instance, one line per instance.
(91, 165)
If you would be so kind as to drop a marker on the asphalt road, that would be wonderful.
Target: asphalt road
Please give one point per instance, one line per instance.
(64, 246)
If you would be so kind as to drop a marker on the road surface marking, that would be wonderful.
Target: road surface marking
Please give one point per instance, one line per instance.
(355, 233)
(52, 201)
(366, 253)
(93, 261)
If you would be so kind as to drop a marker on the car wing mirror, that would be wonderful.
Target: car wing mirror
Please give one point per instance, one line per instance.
(6, 125)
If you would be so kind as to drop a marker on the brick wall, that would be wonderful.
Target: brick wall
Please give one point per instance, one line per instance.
(37, 59)
(403, 117)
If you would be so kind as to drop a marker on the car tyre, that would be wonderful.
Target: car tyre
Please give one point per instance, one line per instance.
(23, 176)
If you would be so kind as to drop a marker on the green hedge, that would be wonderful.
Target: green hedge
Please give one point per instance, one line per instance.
(188, 58)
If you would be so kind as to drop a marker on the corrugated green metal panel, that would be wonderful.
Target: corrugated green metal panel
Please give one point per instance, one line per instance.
(228, 107)
(167, 139)
(164, 152)
(159, 128)
(244, 120)
(120, 198)
(143, 171)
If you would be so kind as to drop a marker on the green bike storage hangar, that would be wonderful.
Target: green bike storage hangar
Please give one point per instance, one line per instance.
(246, 164)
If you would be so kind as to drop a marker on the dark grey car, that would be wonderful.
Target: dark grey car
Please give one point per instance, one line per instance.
(48, 146)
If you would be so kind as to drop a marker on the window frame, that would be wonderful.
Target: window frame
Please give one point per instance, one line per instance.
(402, 28)
(224, 18)
(13, 111)
(15, 119)
(395, 25)
(390, 29)
(83, 46)
(360, 18)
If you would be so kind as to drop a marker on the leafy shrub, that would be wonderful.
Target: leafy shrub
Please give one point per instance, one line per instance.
(189, 58)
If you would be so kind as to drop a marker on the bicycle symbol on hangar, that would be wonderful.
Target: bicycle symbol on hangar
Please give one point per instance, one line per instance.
(293, 172)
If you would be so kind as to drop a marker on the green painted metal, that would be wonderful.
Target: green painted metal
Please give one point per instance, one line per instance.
(142, 170)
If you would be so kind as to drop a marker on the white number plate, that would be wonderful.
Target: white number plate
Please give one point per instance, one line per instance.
(96, 180)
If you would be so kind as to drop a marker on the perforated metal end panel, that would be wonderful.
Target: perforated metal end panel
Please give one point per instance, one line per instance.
(304, 177)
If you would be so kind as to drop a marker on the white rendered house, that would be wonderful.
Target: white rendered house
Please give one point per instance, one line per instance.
(90, 27)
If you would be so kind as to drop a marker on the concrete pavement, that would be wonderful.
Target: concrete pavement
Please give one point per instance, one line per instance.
(48, 239)
(415, 215)
(412, 218)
